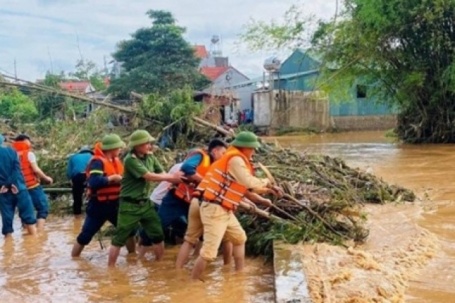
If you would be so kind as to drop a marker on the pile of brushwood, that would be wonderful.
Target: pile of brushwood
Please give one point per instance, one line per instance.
(322, 203)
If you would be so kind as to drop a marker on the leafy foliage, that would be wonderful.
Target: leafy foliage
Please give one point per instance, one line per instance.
(16, 106)
(404, 52)
(289, 33)
(156, 59)
(175, 109)
(52, 105)
(87, 70)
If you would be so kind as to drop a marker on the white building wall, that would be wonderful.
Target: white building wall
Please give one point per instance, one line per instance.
(262, 109)
(225, 84)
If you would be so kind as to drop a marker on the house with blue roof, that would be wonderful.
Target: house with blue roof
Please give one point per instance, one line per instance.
(301, 72)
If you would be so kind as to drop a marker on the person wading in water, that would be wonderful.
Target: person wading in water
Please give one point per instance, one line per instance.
(141, 169)
(226, 183)
(104, 174)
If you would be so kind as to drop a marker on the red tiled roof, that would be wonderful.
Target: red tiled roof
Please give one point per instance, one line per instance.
(74, 86)
(213, 72)
(200, 51)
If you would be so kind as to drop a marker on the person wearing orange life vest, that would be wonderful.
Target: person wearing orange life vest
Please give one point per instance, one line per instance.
(104, 173)
(173, 210)
(32, 175)
(13, 193)
(226, 183)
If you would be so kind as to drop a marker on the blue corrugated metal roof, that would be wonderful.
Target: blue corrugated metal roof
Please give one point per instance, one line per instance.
(275, 77)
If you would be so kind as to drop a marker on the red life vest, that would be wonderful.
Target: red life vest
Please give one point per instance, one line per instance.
(219, 187)
(23, 148)
(184, 191)
(110, 192)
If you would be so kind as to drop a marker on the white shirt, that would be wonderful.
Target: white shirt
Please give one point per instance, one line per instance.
(161, 190)
(31, 157)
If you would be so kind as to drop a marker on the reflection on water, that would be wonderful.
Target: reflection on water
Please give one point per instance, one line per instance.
(427, 169)
(41, 270)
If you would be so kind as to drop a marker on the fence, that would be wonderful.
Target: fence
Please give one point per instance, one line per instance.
(313, 110)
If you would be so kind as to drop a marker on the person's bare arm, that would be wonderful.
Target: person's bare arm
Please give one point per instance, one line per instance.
(176, 177)
(257, 199)
(196, 178)
(37, 170)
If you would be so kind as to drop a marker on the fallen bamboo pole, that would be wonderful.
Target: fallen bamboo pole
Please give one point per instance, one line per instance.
(59, 92)
(56, 190)
(216, 127)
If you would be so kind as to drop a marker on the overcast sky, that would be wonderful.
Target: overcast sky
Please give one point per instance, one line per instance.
(47, 34)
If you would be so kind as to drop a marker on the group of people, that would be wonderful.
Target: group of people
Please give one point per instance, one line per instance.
(195, 201)
(20, 186)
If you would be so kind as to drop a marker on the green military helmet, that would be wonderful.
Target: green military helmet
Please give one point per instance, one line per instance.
(112, 141)
(246, 140)
(140, 137)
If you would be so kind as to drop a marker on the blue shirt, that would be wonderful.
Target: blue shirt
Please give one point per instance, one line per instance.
(190, 164)
(10, 169)
(77, 164)
(96, 179)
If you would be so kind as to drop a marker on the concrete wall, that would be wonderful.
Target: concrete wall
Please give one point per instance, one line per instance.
(348, 123)
(309, 110)
(291, 109)
(229, 78)
(225, 83)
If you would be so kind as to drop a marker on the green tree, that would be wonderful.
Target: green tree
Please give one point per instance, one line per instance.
(87, 70)
(287, 34)
(50, 104)
(16, 106)
(156, 59)
(53, 105)
(404, 51)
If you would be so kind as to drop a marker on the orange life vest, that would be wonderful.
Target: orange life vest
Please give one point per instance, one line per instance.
(219, 187)
(184, 191)
(111, 192)
(23, 148)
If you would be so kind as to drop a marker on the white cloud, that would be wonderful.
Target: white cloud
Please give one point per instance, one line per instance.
(36, 32)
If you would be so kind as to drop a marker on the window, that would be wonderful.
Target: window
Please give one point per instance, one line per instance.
(361, 91)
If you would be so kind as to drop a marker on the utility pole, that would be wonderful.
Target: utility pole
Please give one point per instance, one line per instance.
(105, 66)
(50, 60)
(15, 70)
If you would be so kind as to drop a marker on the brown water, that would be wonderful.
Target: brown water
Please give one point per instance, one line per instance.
(41, 270)
(430, 171)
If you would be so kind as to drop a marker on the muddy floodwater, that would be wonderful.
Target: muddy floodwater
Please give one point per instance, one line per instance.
(413, 244)
(41, 270)
(410, 255)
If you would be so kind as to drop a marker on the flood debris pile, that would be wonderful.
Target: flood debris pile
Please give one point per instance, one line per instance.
(323, 201)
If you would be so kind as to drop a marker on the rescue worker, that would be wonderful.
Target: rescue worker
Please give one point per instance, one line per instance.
(161, 190)
(174, 208)
(224, 186)
(32, 175)
(13, 193)
(195, 169)
(104, 174)
(76, 173)
(141, 168)
(156, 197)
